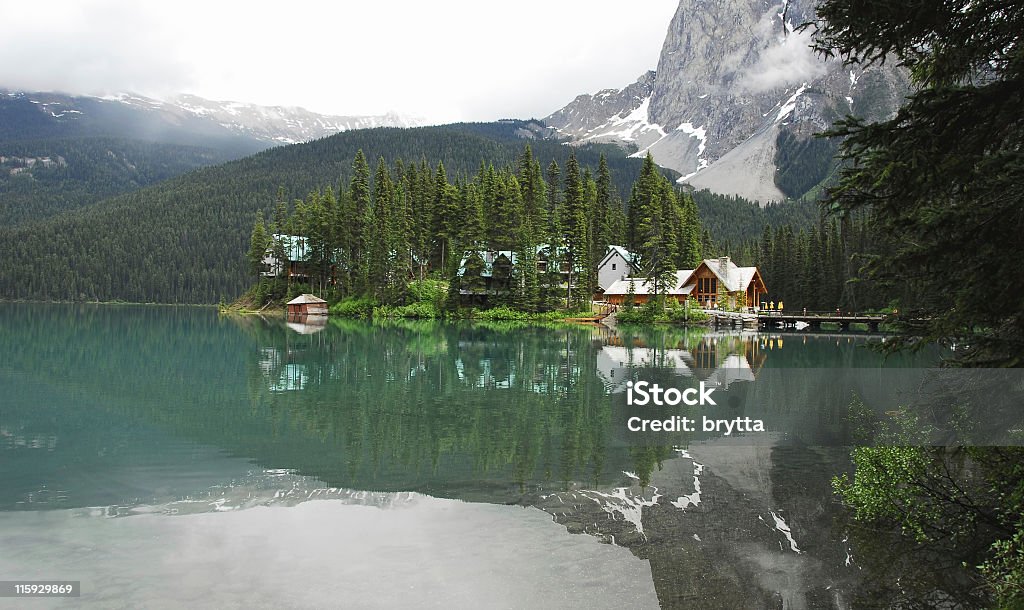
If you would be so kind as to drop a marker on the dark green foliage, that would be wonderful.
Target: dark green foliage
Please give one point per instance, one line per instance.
(733, 220)
(802, 163)
(80, 172)
(354, 307)
(658, 226)
(943, 180)
(576, 234)
(258, 244)
(944, 177)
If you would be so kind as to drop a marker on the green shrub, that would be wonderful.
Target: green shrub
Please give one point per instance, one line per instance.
(428, 291)
(354, 307)
(420, 310)
(499, 313)
(635, 316)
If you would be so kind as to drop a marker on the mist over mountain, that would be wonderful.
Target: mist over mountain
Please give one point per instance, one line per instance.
(735, 100)
(183, 119)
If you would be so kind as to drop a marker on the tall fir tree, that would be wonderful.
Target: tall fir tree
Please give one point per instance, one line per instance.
(259, 241)
(576, 231)
(362, 218)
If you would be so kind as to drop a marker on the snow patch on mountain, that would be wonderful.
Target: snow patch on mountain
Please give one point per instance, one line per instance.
(630, 128)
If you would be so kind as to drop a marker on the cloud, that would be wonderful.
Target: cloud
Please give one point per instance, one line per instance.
(446, 61)
(787, 62)
(88, 47)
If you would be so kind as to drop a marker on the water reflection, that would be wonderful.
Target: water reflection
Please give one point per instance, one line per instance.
(718, 359)
(171, 410)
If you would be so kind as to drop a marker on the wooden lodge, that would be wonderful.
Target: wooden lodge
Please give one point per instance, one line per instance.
(307, 305)
(714, 282)
(720, 282)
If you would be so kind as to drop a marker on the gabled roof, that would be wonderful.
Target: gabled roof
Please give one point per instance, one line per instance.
(734, 278)
(488, 257)
(642, 285)
(306, 298)
(626, 255)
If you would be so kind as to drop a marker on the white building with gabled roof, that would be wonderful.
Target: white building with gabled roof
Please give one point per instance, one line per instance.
(618, 264)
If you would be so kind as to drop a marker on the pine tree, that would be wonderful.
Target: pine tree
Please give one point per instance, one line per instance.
(689, 248)
(362, 218)
(602, 221)
(399, 233)
(380, 257)
(533, 190)
(259, 241)
(472, 234)
(576, 234)
(554, 188)
(644, 193)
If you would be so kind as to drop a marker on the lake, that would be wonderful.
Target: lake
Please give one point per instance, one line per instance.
(166, 455)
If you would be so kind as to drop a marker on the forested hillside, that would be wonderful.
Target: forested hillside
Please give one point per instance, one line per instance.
(41, 178)
(59, 153)
(184, 240)
(732, 220)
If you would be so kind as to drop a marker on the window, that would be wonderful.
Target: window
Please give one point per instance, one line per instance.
(613, 266)
(707, 287)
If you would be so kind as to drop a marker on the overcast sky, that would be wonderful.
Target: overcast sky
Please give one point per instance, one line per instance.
(442, 61)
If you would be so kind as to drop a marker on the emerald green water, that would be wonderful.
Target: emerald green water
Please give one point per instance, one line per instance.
(212, 436)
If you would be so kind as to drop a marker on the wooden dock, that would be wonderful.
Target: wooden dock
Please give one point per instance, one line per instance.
(814, 321)
(767, 320)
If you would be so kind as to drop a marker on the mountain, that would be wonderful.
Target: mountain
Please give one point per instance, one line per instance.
(279, 124)
(736, 99)
(61, 152)
(184, 119)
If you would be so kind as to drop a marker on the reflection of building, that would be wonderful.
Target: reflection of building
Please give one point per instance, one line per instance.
(717, 359)
(282, 376)
(306, 325)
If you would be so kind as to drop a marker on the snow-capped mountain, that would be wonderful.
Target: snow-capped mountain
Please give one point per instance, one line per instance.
(735, 79)
(283, 124)
(267, 124)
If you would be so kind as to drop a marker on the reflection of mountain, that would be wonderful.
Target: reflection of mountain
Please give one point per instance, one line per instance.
(719, 359)
(728, 525)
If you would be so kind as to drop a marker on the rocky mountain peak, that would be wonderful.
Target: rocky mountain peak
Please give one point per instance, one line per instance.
(732, 76)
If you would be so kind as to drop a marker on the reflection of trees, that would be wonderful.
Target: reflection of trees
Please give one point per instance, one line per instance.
(411, 405)
(420, 396)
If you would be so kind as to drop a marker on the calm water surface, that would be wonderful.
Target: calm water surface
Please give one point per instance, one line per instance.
(165, 456)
